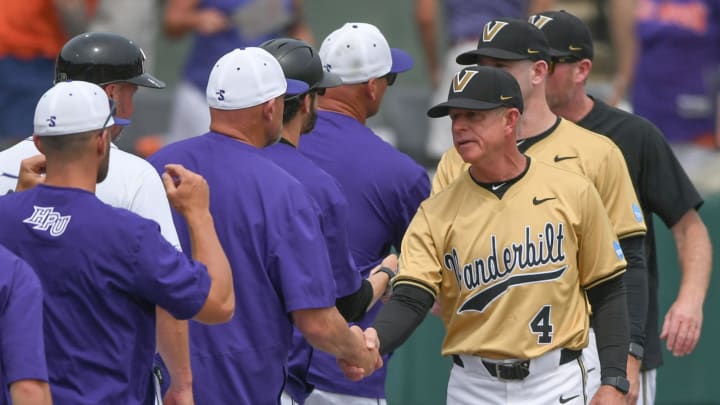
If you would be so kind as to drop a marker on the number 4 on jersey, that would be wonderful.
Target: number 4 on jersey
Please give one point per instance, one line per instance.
(542, 326)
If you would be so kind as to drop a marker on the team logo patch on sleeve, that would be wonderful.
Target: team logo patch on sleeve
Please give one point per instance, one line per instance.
(638, 212)
(618, 250)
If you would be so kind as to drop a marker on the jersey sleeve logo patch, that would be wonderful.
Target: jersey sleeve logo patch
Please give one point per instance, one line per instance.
(618, 250)
(47, 219)
(637, 212)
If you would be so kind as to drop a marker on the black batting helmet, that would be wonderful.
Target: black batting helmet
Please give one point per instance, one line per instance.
(299, 61)
(103, 58)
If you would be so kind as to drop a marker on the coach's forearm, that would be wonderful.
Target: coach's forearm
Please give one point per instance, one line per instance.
(636, 283)
(206, 248)
(326, 330)
(609, 306)
(695, 256)
(173, 344)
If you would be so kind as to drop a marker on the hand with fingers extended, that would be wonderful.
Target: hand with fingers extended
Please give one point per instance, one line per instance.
(682, 326)
(187, 191)
(32, 172)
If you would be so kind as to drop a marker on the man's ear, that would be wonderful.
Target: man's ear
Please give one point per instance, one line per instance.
(539, 71)
(110, 90)
(371, 88)
(101, 142)
(38, 144)
(307, 101)
(268, 108)
(512, 119)
(582, 71)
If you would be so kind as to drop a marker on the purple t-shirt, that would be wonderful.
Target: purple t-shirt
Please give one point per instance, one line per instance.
(207, 49)
(384, 188)
(333, 215)
(678, 52)
(465, 19)
(103, 271)
(270, 232)
(22, 351)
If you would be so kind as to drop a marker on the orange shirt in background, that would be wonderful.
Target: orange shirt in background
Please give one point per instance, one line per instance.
(32, 28)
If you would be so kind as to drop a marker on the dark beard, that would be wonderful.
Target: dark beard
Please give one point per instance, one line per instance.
(310, 123)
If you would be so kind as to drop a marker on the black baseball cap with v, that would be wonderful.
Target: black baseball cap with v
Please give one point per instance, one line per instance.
(567, 35)
(508, 39)
(480, 88)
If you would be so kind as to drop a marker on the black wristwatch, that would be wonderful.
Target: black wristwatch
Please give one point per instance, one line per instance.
(620, 383)
(386, 270)
(636, 350)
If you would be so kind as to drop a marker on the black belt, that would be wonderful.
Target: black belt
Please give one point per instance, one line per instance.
(520, 369)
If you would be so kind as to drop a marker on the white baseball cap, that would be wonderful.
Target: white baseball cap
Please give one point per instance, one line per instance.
(358, 52)
(247, 77)
(72, 107)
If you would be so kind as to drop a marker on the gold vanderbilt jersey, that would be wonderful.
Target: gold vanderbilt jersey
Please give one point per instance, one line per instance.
(581, 151)
(510, 274)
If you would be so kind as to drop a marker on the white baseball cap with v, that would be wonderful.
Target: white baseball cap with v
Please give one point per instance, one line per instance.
(247, 77)
(358, 52)
(72, 107)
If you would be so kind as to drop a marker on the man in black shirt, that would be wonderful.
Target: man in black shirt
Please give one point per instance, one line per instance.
(662, 188)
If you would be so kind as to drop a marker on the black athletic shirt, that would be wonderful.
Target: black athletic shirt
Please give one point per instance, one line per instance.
(662, 188)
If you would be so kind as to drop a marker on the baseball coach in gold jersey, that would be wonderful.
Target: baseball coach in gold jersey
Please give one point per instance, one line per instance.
(517, 252)
(521, 48)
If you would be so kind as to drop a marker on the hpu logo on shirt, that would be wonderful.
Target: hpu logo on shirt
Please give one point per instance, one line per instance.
(638, 212)
(47, 219)
(51, 121)
(618, 250)
(491, 29)
(220, 95)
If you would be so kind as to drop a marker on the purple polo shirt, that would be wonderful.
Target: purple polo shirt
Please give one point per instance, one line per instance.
(679, 51)
(269, 229)
(103, 271)
(333, 215)
(22, 351)
(384, 188)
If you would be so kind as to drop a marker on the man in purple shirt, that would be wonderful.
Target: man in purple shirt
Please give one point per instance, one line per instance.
(383, 187)
(22, 351)
(104, 269)
(273, 238)
(354, 296)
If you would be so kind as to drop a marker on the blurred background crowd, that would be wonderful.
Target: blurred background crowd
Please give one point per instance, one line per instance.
(658, 58)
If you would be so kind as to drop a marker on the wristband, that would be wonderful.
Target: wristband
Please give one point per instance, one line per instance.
(636, 350)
